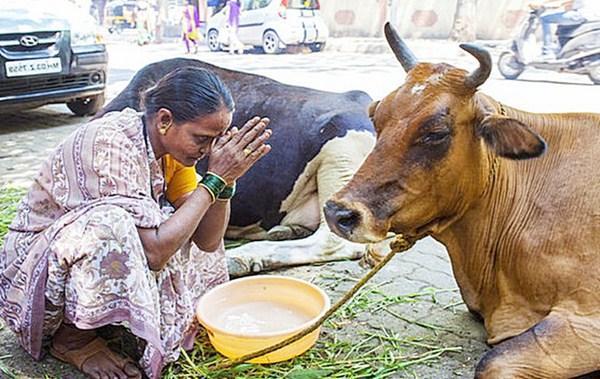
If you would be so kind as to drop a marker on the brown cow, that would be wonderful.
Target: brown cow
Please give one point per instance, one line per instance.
(523, 234)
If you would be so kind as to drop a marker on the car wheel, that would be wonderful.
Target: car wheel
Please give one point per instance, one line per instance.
(271, 42)
(594, 74)
(316, 47)
(86, 106)
(509, 66)
(212, 40)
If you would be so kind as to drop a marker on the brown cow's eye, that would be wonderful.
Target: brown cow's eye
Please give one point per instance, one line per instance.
(435, 137)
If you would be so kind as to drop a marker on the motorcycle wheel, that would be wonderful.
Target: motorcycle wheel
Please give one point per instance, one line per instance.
(594, 74)
(509, 66)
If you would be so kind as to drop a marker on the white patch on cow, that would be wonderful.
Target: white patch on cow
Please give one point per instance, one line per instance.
(434, 79)
(324, 175)
(417, 89)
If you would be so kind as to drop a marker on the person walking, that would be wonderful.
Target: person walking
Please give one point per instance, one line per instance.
(234, 8)
(190, 22)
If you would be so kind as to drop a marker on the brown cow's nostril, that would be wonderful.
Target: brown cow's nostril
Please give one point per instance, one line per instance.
(341, 220)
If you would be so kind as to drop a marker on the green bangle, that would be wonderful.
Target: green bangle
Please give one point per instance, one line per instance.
(213, 183)
(217, 176)
(227, 193)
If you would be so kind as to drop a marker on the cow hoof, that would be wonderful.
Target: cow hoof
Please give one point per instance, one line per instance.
(237, 267)
(256, 267)
(288, 232)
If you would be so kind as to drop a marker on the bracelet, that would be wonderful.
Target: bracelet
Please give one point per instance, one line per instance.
(210, 173)
(214, 184)
(227, 193)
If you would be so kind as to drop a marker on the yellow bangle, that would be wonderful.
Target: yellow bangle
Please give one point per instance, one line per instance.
(212, 195)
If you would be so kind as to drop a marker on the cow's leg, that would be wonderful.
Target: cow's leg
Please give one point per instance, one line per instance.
(328, 172)
(268, 255)
(562, 345)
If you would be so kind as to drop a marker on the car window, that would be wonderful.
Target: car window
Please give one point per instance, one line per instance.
(255, 4)
(303, 4)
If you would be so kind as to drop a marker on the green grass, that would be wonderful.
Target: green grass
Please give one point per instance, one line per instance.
(348, 346)
(9, 200)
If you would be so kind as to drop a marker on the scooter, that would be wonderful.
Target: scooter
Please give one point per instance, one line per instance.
(579, 50)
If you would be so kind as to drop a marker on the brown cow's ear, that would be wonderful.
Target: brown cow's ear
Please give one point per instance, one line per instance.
(510, 138)
(372, 108)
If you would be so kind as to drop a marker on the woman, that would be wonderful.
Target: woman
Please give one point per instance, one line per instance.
(93, 244)
(233, 22)
(190, 23)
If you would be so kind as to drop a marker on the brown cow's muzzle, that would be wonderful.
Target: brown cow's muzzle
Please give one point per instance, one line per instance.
(353, 222)
(340, 219)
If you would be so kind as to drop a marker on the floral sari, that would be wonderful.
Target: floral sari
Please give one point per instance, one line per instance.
(73, 252)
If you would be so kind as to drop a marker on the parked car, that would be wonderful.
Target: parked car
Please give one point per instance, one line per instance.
(272, 25)
(50, 52)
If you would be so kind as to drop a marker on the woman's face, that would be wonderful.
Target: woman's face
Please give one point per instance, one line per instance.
(191, 141)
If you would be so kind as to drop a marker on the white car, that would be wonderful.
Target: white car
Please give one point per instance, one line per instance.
(271, 25)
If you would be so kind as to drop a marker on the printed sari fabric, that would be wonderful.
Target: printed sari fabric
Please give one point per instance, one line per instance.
(73, 252)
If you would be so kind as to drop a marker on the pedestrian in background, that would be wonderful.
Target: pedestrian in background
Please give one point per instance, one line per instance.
(202, 17)
(190, 22)
(234, 9)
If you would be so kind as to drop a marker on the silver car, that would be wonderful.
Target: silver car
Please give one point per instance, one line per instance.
(271, 25)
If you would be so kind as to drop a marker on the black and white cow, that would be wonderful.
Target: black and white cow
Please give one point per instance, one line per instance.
(319, 140)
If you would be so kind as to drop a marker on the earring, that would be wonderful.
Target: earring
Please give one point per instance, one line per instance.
(162, 129)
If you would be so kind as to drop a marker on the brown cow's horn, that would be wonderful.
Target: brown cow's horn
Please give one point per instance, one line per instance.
(400, 49)
(480, 75)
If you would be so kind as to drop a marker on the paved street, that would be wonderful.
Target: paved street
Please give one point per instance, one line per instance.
(27, 137)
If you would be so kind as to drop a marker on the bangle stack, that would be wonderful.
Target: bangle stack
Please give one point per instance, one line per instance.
(217, 187)
(227, 193)
(214, 184)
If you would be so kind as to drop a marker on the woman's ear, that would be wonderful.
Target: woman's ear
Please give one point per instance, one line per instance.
(164, 116)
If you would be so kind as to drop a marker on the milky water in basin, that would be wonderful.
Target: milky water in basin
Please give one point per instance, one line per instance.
(261, 317)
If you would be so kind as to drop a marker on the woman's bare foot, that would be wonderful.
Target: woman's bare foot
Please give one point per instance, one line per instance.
(89, 353)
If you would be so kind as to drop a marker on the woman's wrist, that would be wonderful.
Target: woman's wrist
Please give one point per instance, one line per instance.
(227, 193)
(214, 184)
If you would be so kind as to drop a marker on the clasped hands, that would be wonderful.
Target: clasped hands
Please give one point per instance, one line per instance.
(238, 149)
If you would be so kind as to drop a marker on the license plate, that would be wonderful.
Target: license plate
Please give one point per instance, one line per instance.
(33, 67)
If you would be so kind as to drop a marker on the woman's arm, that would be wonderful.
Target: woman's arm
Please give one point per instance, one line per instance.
(211, 230)
(161, 243)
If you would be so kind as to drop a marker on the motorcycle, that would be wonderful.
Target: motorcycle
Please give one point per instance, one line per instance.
(578, 50)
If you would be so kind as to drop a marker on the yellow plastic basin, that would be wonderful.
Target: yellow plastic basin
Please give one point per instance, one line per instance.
(245, 315)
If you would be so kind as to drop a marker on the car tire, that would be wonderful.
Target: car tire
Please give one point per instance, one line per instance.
(86, 106)
(509, 66)
(212, 40)
(316, 47)
(271, 42)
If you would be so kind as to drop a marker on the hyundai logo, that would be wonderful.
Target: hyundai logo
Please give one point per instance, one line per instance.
(29, 41)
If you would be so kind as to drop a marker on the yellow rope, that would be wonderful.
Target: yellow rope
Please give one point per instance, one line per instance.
(398, 245)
